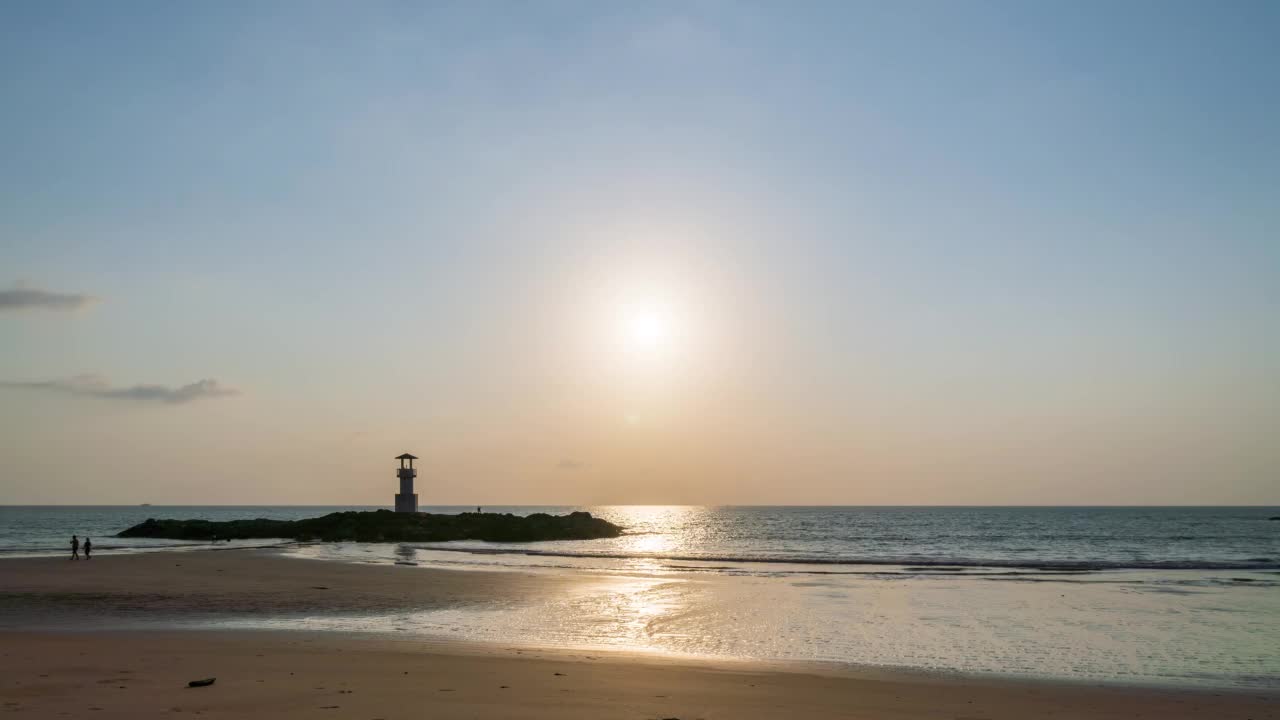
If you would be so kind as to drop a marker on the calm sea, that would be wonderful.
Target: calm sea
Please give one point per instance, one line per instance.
(1173, 596)
(1220, 538)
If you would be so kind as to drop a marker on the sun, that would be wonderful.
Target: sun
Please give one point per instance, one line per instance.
(646, 328)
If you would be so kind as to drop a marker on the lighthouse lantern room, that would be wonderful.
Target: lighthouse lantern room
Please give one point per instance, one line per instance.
(406, 499)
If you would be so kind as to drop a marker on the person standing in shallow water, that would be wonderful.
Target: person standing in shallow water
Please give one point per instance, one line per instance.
(88, 548)
(75, 548)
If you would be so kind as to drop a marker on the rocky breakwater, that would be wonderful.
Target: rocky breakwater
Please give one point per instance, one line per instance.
(387, 526)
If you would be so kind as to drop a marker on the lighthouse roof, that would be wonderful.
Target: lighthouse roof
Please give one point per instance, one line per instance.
(406, 456)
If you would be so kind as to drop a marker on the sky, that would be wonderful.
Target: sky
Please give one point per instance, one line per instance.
(589, 253)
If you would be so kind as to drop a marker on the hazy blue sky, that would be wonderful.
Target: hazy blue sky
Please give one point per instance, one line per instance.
(892, 252)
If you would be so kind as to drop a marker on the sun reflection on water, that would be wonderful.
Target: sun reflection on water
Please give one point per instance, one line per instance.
(656, 529)
(655, 590)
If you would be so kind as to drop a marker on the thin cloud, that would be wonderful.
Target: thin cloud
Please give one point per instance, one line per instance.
(21, 298)
(98, 387)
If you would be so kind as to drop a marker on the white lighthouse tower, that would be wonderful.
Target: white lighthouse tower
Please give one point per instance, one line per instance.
(407, 499)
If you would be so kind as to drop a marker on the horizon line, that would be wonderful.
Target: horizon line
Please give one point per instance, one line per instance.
(599, 505)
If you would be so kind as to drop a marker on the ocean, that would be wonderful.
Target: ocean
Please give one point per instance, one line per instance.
(1154, 595)
(1083, 538)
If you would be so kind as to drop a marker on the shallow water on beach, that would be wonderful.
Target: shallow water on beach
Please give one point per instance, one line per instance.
(1178, 627)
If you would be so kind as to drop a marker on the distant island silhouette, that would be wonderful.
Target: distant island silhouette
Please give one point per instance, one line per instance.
(387, 526)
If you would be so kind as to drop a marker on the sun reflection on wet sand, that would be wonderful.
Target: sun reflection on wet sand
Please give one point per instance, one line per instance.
(952, 623)
(628, 609)
(610, 611)
(649, 592)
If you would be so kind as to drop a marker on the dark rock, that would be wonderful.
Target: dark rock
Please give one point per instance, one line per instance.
(201, 683)
(387, 526)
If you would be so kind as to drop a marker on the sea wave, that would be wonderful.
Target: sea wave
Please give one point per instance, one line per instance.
(44, 550)
(913, 562)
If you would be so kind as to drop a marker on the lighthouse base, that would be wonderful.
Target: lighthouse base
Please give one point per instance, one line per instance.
(407, 503)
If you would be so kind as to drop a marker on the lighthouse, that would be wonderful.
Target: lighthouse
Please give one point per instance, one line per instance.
(407, 499)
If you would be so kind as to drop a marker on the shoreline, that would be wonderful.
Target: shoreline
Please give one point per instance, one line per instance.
(530, 549)
(207, 595)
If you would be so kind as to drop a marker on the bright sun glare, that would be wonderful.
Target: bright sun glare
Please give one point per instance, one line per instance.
(650, 329)
(647, 328)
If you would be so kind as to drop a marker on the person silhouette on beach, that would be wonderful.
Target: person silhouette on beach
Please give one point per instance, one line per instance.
(75, 548)
(88, 548)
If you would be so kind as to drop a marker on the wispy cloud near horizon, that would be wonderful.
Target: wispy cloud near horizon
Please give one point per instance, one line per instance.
(98, 387)
(22, 298)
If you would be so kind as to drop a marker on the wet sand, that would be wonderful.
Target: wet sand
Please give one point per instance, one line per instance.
(200, 583)
(75, 672)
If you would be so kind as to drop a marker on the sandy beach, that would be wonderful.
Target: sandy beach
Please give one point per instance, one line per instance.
(147, 586)
(302, 675)
(66, 669)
